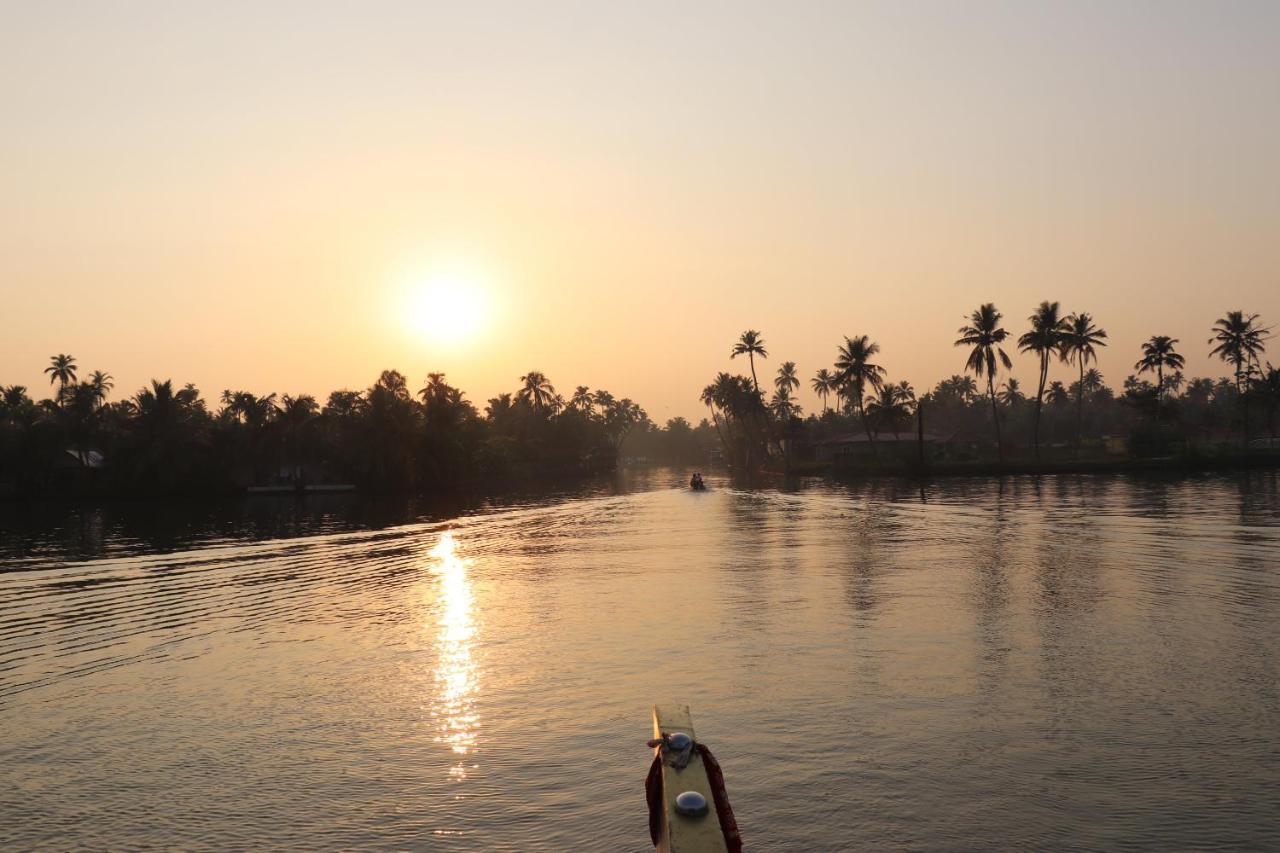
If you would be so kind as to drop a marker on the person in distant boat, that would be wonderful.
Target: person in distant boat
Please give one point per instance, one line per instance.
(695, 482)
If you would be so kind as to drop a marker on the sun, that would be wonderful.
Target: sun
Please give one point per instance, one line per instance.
(448, 308)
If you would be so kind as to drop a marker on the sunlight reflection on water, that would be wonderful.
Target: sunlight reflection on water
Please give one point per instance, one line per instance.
(456, 676)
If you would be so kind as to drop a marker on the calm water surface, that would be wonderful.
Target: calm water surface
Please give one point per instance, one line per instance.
(1039, 663)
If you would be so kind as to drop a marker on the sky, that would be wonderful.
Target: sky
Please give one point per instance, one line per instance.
(291, 197)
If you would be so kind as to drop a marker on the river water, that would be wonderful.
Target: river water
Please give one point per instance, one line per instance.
(1050, 662)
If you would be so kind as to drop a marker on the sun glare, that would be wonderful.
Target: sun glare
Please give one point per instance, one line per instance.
(448, 309)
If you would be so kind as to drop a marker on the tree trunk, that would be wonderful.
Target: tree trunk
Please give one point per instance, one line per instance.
(995, 413)
(920, 433)
(716, 420)
(1080, 408)
(1044, 374)
(862, 413)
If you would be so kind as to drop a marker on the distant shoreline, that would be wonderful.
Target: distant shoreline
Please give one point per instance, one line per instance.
(994, 468)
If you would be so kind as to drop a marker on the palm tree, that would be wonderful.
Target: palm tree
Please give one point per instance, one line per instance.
(603, 400)
(823, 383)
(1080, 342)
(708, 397)
(1092, 380)
(1011, 394)
(855, 370)
(1240, 341)
(14, 397)
(101, 383)
(1157, 354)
(1046, 337)
(787, 378)
(61, 369)
(537, 391)
(891, 406)
(751, 344)
(783, 406)
(1057, 394)
(582, 400)
(983, 335)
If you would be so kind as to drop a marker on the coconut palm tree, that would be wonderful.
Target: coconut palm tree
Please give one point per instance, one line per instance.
(1080, 341)
(1011, 394)
(751, 344)
(537, 391)
(1056, 394)
(983, 335)
(1046, 338)
(61, 369)
(14, 397)
(708, 398)
(787, 378)
(823, 384)
(582, 400)
(101, 384)
(855, 370)
(1092, 381)
(1240, 340)
(1157, 354)
(891, 406)
(783, 406)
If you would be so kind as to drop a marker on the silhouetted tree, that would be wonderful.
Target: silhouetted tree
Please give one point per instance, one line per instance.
(983, 334)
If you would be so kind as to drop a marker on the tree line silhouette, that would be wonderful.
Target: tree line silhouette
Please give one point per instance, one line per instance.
(1172, 415)
(167, 438)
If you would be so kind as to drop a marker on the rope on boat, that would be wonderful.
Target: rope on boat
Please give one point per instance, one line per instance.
(720, 795)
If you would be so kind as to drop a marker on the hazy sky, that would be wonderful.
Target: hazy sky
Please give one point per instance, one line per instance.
(251, 195)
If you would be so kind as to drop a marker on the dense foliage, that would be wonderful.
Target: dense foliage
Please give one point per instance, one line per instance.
(169, 439)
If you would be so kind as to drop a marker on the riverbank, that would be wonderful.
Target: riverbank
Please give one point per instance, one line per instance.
(986, 467)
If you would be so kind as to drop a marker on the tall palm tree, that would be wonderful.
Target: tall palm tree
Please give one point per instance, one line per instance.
(983, 335)
(536, 391)
(855, 370)
(1240, 340)
(1080, 342)
(61, 369)
(787, 378)
(101, 384)
(582, 400)
(751, 344)
(1157, 354)
(1046, 338)
(708, 397)
(823, 384)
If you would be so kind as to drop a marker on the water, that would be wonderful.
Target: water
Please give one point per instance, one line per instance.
(1063, 662)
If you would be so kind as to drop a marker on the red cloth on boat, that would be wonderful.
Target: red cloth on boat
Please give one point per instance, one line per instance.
(724, 811)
